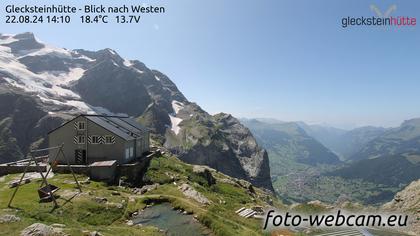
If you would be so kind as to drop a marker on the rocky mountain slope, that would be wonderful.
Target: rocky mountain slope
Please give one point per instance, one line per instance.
(407, 201)
(221, 142)
(287, 142)
(47, 85)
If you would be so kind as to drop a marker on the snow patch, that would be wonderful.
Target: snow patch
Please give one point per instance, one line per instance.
(49, 50)
(157, 78)
(139, 71)
(7, 39)
(81, 56)
(115, 64)
(8, 35)
(79, 104)
(86, 58)
(127, 63)
(112, 51)
(149, 106)
(130, 64)
(177, 106)
(63, 78)
(175, 124)
(61, 92)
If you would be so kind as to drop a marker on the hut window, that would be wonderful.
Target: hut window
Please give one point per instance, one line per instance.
(109, 139)
(131, 152)
(79, 139)
(81, 125)
(127, 153)
(95, 139)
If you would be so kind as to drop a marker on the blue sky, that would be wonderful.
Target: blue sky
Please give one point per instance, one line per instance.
(289, 60)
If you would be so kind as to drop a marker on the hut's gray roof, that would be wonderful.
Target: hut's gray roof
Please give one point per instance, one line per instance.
(124, 127)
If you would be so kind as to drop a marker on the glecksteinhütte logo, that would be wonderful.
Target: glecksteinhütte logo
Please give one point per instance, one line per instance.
(380, 19)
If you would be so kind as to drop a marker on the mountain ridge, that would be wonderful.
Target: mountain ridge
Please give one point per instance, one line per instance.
(62, 83)
(400, 140)
(282, 134)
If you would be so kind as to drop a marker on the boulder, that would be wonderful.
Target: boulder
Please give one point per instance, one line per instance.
(205, 173)
(145, 189)
(95, 233)
(38, 229)
(101, 199)
(189, 192)
(9, 219)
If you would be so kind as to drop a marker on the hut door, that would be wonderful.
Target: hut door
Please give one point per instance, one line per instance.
(80, 156)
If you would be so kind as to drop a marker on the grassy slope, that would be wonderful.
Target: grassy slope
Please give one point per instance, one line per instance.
(84, 213)
(226, 198)
(81, 213)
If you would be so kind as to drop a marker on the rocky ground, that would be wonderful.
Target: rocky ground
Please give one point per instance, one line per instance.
(408, 201)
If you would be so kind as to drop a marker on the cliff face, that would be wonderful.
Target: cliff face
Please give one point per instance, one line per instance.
(23, 124)
(42, 85)
(253, 158)
(223, 144)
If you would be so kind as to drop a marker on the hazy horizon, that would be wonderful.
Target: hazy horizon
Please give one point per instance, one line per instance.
(343, 126)
(290, 60)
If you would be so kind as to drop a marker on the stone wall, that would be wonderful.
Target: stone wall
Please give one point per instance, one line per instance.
(134, 172)
(5, 170)
(77, 169)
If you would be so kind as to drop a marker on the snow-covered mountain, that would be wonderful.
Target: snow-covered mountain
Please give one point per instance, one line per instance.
(42, 85)
(33, 67)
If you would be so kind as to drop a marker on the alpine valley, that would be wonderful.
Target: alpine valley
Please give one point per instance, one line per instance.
(210, 165)
(313, 162)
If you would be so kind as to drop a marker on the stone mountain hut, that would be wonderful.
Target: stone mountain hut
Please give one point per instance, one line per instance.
(94, 138)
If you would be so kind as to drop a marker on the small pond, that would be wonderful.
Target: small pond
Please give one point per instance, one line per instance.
(173, 222)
